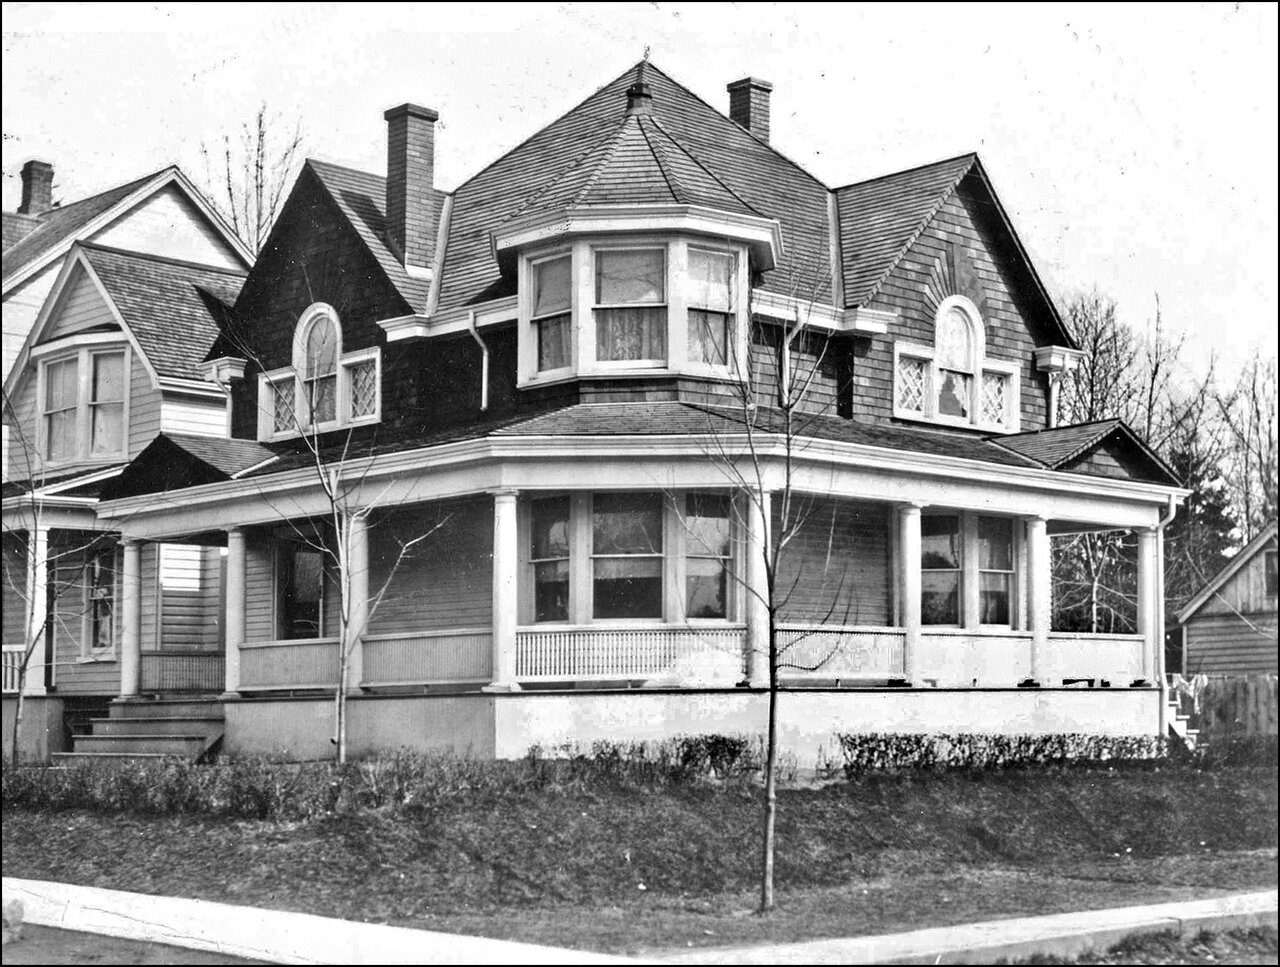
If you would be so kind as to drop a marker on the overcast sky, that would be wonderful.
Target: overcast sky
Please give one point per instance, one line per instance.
(1134, 146)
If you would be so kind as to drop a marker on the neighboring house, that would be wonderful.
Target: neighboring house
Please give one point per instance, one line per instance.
(113, 359)
(539, 371)
(1230, 627)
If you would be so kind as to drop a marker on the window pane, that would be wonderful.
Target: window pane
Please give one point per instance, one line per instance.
(911, 382)
(302, 593)
(627, 524)
(631, 333)
(108, 428)
(322, 348)
(551, 286)
(705, 588)
(711, 280)
(551, 591)
(940, 598)
(101, 586)
(939, 542)
(364, 388)
(623, 277)
(553, 342)
(707, 524)
(995, 395)
(282, 404)
(550, 527)
(995, 543)
(60, 430)
(60, 385)
(628, 587)
(954, 340)
(993, 599)
(323, 397)
(954, 393)
(708, 337)
(108, 378)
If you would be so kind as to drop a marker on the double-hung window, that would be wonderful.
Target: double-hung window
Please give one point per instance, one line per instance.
(83, 403)
(968, 570)
(300, 592)
(626, 556)
(99, 637)
(631, 305)
(941, 569)
(710, 301)
(551, 312)
(708, 555)
(549, 557)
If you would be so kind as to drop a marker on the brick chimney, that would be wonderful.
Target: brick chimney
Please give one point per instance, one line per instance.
(749, 105)
(411, 145)
(37, 188)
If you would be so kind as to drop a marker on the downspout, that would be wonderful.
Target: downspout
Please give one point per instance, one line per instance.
(1164, 679)
(484, 360)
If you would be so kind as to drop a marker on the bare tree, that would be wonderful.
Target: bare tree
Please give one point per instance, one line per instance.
(246, 176)
(1249, 412)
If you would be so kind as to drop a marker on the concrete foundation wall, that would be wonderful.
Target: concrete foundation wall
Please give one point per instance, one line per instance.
(41, 734)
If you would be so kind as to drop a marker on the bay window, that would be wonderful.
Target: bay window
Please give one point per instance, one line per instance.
(552, 318)
(968, 570)
(628, 556)
(710, 302)
(630, 305)
(941, 568)
(83, 399)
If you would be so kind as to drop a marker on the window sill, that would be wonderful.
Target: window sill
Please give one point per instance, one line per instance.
(96, 660)
(560, 377)
(907, 416)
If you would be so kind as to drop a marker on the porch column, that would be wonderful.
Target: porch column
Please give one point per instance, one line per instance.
(235, 607)
(358, 588)
(909, 587)
(38, 610)
(506, 556)
(759, 517)
(131, 622)
(1148, 602)
(1039, 597)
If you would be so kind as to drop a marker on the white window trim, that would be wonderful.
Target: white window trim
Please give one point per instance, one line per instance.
(277, 615)
(981, 363)
(675, 543)
(87, 652)
(526, 290)
(971, 574)
(342, 403)
(583, 361)
(83, 354)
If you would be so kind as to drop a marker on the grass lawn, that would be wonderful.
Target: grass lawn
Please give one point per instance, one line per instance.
(627, 869)
(1231, 947)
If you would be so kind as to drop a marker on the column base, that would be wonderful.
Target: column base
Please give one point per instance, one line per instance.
(501, 687)
(1028, 683)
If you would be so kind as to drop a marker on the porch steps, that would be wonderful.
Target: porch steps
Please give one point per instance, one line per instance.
(150, 728)
(1180, 727)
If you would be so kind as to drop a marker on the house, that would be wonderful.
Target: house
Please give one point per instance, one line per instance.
(516, 448)
(1230, 626)
(113, 359)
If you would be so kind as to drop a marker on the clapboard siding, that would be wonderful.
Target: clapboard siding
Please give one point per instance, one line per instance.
(839, 563)
(144, 407)
(1217, 644)
(80, 307)
(73, 675)
(956, 254)
(447, 581)
(21, 307)
(1246, 591)
(14, 593)
(259, 593)
(188, 596)
(184, 414)
(168, 224)
(22, 461)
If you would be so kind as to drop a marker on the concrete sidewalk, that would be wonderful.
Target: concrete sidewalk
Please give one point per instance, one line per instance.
(299, 938)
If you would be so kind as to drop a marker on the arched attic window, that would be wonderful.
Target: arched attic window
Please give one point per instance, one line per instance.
(953, 381)
(325, 388)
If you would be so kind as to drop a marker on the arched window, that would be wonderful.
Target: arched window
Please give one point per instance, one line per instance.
(953, 381)
(325, 388)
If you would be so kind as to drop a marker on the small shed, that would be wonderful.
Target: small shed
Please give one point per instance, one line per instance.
(1230, 627)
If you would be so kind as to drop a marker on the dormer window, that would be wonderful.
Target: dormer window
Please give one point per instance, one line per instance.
(325, 389)
(953, 381)
(83, 401)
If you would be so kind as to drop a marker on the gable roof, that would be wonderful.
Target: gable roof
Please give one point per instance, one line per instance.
(59, 227)
(1233, 567)
(17, 226)
(1060, 447)
(176, 460)
(169, 306)
(362, 199)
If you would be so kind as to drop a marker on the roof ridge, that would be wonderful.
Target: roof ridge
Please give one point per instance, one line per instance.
(581, 159)
(153, 257)
(906, 171)
(614, 143)
(697, 161)
(673, 181)
(132, 185)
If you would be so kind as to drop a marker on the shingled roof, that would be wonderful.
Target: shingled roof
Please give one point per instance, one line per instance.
(169, 306)
(173, 461)
(1062, 447)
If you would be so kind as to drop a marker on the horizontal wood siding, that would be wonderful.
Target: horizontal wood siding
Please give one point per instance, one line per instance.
(21, 306)
(957, 254)
(182, 414)
(447, 580)
(838, 568)
(1238, 644)
(15, 584)
(72, 675)
(1245, 592)
(259, 591)
(189, 599)
(168, 224)
(81, 307)
(144, 407)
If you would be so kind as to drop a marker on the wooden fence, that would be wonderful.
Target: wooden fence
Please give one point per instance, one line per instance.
(1221, 705)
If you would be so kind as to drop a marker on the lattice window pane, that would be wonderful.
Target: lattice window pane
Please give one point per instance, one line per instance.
(995, 397)
(282, 405)
(364, 389)
(912, 376)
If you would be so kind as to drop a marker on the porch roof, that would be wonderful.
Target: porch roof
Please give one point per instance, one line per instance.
(1106, 448)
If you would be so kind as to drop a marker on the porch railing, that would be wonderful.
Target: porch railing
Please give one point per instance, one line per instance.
(454, 656)
(959, 658)
(674, 655)
(829, 651)
(1119, 659)
(12, 665)
(312, 663)
(183, 671)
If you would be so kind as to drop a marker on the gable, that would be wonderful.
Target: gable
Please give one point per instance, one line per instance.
(80, 308)
(1240, 588)
(167, 223)
(1117, 458)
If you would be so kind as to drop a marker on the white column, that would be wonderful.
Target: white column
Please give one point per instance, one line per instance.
(909, 587)
(506, 556)
(759, 520)
(235, 607)
(131, 621)
(38, 610)
(1148, 602)
(358, 606)
(1039, 596)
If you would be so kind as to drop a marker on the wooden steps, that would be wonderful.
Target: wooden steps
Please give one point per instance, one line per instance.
(148, 729)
